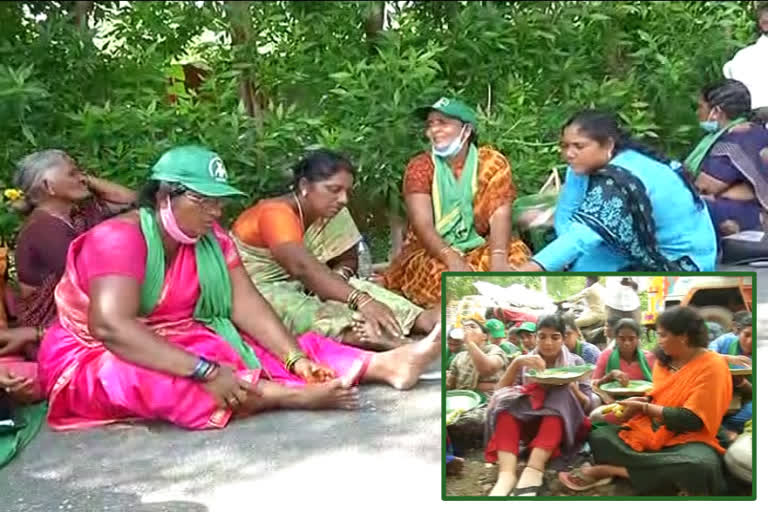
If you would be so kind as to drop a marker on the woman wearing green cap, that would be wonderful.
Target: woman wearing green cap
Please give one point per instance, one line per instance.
(159, 320)
(458, 199)
(299, 250)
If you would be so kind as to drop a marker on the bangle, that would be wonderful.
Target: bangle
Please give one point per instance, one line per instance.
(367, 299)
(292, 358)
(499, 251)
(203, 369)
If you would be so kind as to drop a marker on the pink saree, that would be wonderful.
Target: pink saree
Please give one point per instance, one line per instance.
(87, 385)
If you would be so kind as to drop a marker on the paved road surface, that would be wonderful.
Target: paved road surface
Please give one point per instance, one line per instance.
(388, 450)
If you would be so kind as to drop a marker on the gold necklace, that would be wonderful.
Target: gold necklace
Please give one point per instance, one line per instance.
(301, 211)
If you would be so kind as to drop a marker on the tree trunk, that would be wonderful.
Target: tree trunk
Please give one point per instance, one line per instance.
(81, 10)
(376, 15)
(241, 30)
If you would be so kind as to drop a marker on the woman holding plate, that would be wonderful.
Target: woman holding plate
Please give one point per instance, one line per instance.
(668, 441)
(550, 419)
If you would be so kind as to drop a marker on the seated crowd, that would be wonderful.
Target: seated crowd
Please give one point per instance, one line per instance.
(669, 439)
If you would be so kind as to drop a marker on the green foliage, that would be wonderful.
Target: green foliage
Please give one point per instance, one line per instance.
(526, 66)
(557, 287)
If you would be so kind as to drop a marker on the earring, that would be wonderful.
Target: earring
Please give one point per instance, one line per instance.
(303, 193)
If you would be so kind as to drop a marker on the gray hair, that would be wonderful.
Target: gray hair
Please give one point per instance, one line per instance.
(33, 169)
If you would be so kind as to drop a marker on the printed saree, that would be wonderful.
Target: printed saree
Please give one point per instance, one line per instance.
(301, 311)
(414, 272)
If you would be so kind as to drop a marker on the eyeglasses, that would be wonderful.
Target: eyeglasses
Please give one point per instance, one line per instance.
(210, 204)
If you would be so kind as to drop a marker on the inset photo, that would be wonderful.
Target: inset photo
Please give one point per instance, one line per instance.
(588, 386)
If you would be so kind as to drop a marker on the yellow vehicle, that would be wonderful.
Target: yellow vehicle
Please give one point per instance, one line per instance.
(716, 297)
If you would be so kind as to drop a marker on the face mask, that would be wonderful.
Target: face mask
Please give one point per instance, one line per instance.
(709, 126)
(452, 148)
(168, 219)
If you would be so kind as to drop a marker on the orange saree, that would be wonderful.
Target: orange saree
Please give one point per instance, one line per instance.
(702, 386)
(414, 272)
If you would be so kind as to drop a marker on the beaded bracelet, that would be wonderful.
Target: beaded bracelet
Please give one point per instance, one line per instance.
(292, 358)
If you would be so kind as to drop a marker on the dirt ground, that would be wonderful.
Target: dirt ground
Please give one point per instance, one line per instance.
(478, 477)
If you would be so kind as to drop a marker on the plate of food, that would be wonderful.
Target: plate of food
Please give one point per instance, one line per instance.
(737, 370)
(633, 388)
(560, 376)
(459, 401)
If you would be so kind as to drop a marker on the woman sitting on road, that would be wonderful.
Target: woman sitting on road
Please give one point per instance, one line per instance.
(458, 197)
(300, 252)
(552, 420)
(668, 442)
(623, 207)
(60, 202)
(171, 328)
(731, 162)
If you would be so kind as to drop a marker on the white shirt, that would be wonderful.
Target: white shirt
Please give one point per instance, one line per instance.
(750, 67)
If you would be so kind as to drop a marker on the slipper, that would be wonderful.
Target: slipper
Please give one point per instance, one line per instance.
(531, 490)
(577, 481)
(527, 492)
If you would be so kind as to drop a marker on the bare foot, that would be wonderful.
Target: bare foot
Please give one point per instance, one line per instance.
(367, 339)
(402, 366)
(328, 395)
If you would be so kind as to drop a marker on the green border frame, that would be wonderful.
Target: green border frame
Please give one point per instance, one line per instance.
(444, 431)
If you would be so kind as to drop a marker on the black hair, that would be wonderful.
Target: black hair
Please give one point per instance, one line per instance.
(628, 323)
(613, 316)
(148, 193)
(742, 320)
(628, 281)
(555, 322)
(682, 321)
(570, 322)
(731, 96)
(603, 126)
(319, 165)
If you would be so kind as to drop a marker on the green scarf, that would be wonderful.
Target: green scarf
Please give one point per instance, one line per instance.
(733, 348)
(452, 202)
(613, 363)
(693, 162)
(214, 306)
(579, 349)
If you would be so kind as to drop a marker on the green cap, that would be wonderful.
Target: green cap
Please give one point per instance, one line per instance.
(197, 168)
(452, 108)
(495, 328)
(527, 326)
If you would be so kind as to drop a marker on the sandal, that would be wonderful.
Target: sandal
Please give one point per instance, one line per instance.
(531, 490)
(576, 480)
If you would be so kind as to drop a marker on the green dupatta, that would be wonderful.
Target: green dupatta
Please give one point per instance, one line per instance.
(453, 201)
(613, 363)
(693, 161)
(214, 306)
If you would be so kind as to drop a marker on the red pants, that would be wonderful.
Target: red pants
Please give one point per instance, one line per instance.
(545, 433)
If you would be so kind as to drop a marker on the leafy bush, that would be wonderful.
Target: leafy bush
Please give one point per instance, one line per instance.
(323, 80)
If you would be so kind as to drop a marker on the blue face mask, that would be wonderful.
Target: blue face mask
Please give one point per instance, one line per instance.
(709, 126)
(452, 148)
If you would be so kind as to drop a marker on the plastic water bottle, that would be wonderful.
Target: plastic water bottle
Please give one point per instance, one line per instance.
(364, 260)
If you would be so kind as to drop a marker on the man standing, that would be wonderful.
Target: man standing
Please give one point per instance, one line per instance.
(749, 66)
